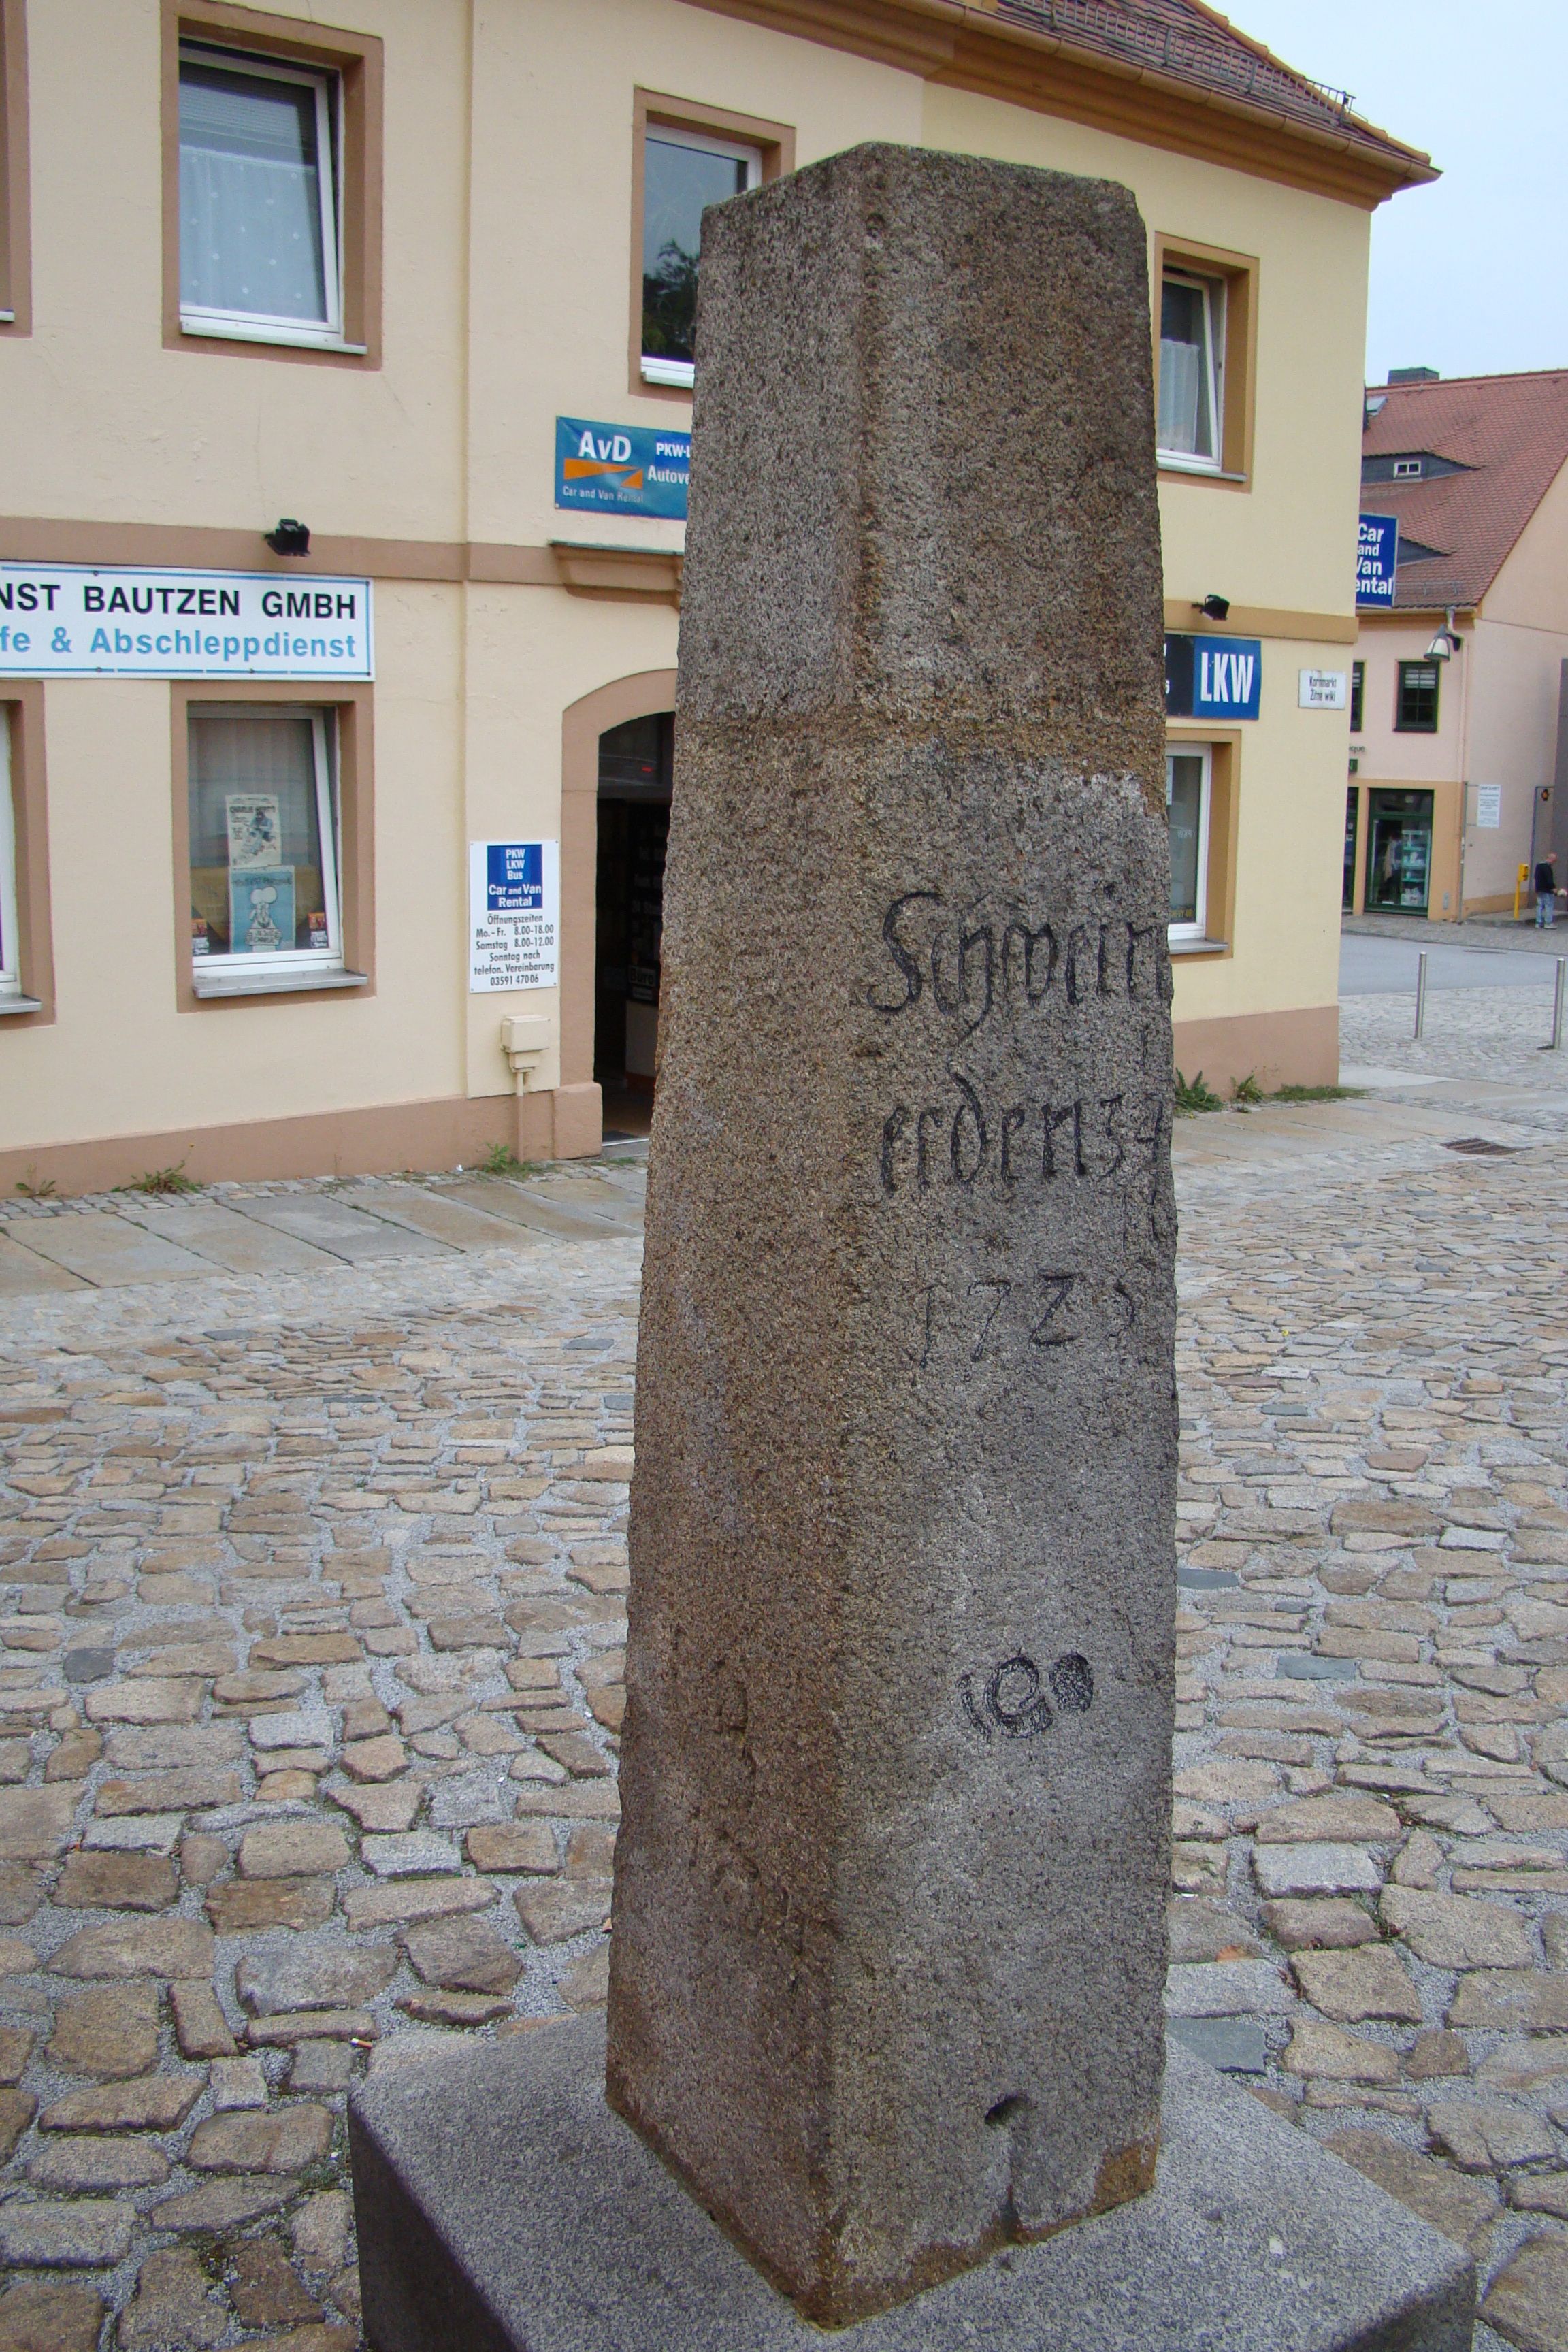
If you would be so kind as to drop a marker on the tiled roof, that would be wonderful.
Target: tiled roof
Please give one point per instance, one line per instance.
(1186, 42)
(1509, 433)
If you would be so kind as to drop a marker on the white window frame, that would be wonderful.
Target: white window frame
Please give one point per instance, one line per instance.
(258, 326)
(1213, 289)
(1180, 749)
(1407, 469)
(673, 134)
(10, 947)
(224, 975)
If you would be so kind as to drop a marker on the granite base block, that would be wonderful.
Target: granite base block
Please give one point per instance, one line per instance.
(502, 2208)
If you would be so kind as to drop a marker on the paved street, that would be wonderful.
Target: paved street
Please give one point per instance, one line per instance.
(313, 1568)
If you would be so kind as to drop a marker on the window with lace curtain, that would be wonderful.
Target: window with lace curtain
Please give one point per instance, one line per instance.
(1191, 371)
(1206, 359)
(259, 202)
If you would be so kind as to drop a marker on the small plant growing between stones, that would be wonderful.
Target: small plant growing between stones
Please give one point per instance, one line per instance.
(1317, 1094)
(159, 1182)
(1194, 1096)
(501, 1160)
(36, 1191)
(1247, 1091)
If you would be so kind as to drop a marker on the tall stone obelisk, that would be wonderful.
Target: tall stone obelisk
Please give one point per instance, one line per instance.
(889, 1943)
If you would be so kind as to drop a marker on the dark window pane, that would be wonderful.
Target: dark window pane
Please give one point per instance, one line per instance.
(677, 182)
(1358, 688)
(250, 199)
(1417, 712)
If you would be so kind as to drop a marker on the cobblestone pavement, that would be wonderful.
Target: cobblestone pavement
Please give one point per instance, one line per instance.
(310, 1604)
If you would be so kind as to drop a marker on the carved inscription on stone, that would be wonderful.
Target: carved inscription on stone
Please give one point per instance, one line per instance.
(1010, 1701)
(993, 979)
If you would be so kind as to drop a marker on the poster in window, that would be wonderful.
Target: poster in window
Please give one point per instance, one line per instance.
(255, 831)
(261, 909)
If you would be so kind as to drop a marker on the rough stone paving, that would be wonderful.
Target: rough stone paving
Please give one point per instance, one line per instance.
(311, 1623)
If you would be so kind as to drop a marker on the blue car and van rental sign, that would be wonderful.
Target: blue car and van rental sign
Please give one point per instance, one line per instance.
(632, 469)
(69, 620)
(1377, 558)
(1213, 677)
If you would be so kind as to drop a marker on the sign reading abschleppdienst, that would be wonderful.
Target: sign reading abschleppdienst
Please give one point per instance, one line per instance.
(632, 469)
(514, 915)
(1377, 561)
(68, 620)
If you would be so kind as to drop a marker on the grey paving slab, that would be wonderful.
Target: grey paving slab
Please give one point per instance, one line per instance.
(327, 1222)
(592, 1191)
(433, 1213)
(501, 2205)
(22, 1271)
(108, 1250)
(239, 1244)
(519, 1207)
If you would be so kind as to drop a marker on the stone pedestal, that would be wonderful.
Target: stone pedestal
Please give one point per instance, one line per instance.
(888, 1945)
(502, 2208)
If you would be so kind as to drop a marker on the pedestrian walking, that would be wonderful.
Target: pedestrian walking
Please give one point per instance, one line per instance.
(1545, 892)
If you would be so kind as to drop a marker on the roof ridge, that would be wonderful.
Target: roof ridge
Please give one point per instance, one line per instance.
(1190, 43)
(1447, 383)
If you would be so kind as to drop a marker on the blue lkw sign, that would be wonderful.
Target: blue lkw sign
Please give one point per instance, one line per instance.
(622, 469)
(1213, 677)
(1377, 558)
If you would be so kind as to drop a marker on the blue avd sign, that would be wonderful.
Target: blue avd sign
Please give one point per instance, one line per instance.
(1213, 677)
(632, 469)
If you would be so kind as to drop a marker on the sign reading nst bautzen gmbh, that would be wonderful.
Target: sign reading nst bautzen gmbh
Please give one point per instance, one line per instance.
(1213, 677)
(65, 621)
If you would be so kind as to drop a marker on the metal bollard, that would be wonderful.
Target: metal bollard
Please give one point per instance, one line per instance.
(1557, 995)
(1421, 993)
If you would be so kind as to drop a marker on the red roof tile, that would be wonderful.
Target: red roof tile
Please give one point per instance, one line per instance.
(1187, 41)
(1510, 433)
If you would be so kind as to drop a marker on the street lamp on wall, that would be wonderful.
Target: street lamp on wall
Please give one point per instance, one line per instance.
(1446, 641)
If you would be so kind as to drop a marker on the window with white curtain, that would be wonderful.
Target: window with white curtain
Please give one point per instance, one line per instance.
(1192, 361)
(1188, 777)
(260, 211)
(10, 954)
(264, 842)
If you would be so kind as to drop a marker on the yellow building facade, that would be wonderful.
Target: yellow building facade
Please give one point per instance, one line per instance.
(345, 266)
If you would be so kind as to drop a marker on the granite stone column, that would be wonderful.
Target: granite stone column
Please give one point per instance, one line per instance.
(889, 1943)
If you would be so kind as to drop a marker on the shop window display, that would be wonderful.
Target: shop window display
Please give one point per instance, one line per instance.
(263, 847)
(1399, 853)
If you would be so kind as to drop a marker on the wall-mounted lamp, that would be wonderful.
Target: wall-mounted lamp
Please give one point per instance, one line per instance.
(1446, 642)
(291, 538)
(1214, 608)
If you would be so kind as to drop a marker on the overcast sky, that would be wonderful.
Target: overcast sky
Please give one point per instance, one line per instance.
(1469, 275)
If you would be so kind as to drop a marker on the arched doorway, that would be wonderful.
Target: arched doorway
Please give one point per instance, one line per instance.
(635, 774)
(616, 760)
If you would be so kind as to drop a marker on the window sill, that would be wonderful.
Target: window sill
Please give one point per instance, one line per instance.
(7, 318)
(273, 984)
(669, 371)
(230, 331)
(1193, 469)
(1199, 947)
(9, 1003)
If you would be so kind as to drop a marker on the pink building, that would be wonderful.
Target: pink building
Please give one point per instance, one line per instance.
(1455, 691)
